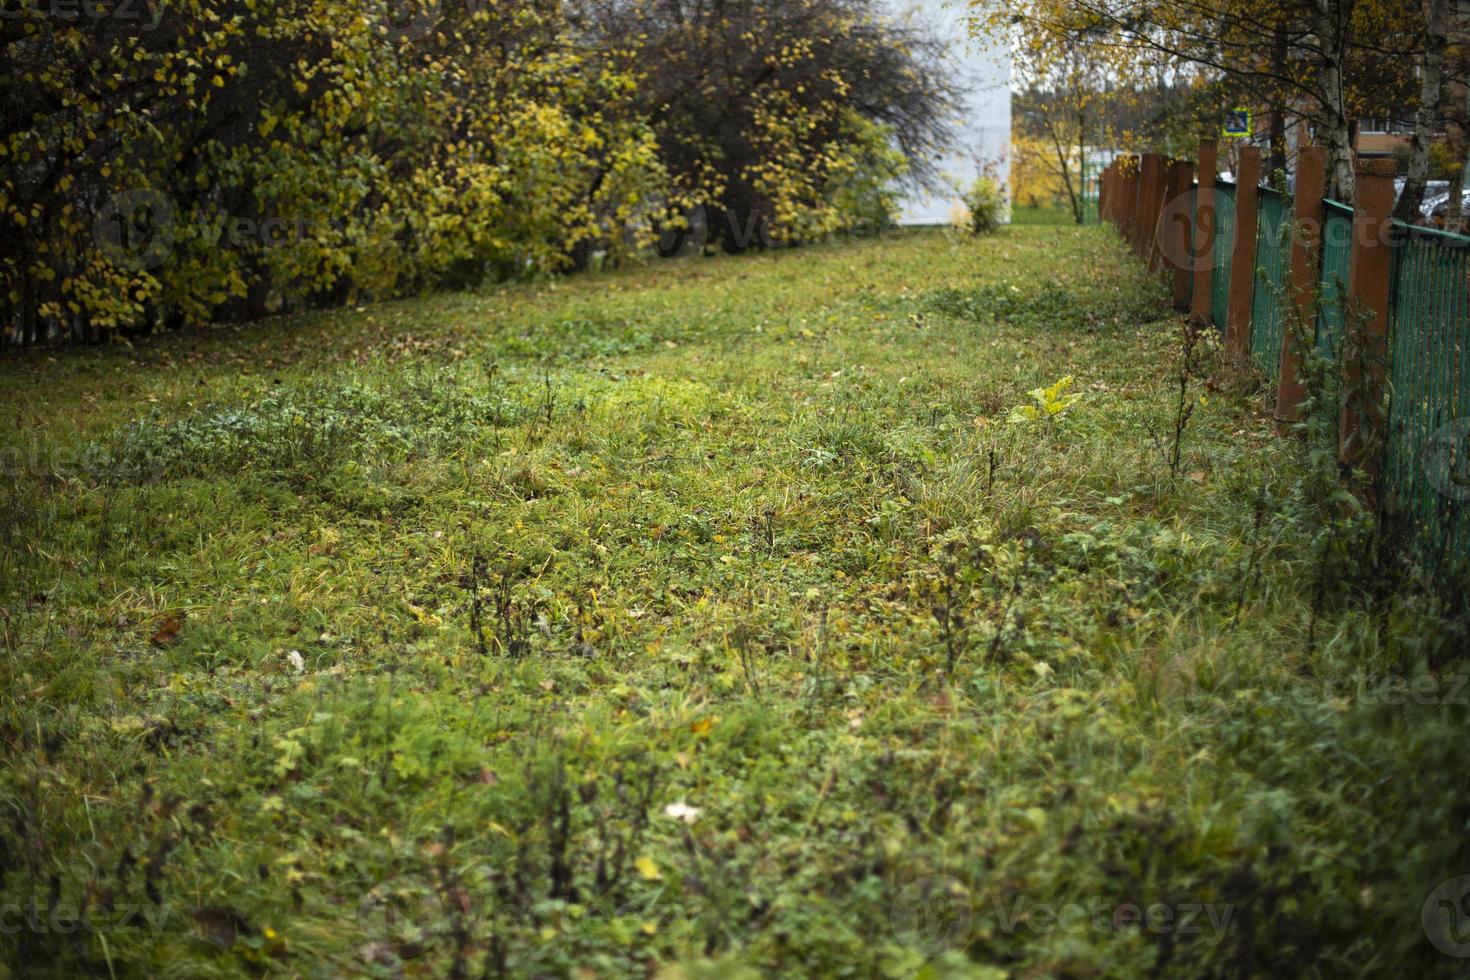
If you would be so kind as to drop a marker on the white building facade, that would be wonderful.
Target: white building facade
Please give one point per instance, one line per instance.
(983, 130)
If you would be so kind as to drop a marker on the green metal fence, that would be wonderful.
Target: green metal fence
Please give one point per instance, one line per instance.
(1426, 465)
(1090, 194)
(1273, 250)
(1337, 248)
(1427, 453)
(1224, 235)
(1426, 461)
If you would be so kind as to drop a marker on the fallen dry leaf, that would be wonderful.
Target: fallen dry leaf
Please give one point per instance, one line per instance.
(168, 630)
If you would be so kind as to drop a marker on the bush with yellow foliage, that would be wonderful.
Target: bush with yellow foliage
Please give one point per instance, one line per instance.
(224, 160)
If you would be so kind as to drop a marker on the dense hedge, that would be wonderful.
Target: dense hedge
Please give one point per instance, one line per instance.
(167, 162)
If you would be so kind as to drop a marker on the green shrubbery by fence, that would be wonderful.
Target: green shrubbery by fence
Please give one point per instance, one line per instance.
(1337, 238)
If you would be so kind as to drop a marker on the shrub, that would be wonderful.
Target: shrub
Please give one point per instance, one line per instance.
(234, 172)
(987, 205)
(785, 120)
(227, 162)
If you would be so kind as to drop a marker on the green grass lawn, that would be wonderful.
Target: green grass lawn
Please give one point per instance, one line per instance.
(1041, 215)
(709, 619)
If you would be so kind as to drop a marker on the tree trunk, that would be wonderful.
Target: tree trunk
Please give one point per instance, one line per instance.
(1064, 168)
(29, 315)
(1431, 78)
(1276, 119)
(1457, 128)
(1081, 211)
(1334, 18)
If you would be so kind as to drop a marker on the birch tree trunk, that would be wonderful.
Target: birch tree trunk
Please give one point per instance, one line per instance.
(1431, 78)
(1457, 128)
(1277, 114)
(1333, 19)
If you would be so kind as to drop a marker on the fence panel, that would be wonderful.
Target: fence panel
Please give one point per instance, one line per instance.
(1337, 249)
(1427, 456)
(1273, 253)
(1224, 235)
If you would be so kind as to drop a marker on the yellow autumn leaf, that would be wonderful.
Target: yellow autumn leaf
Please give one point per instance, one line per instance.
(647, 870)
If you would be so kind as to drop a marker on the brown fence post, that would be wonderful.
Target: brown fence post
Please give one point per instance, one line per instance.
(1361, 428)
(1307, 220)
(1104, 190)
(1204, 233)
(1128, 178)
(1243, 255)
(1180, 232)
(1154, 185)
(1115, 199)
(1163, 229)
(1148, 180)
(1158, 192)
(1140, 203)
(1115, 190)
(1130, 217)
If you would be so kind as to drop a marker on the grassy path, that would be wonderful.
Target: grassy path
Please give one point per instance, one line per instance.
(708, 617)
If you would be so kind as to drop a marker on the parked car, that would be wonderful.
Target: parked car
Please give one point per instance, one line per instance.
(1435, 209)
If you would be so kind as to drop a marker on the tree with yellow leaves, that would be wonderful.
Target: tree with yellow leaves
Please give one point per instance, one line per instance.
(1326, 62)
(783, 120)
(226, 159)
